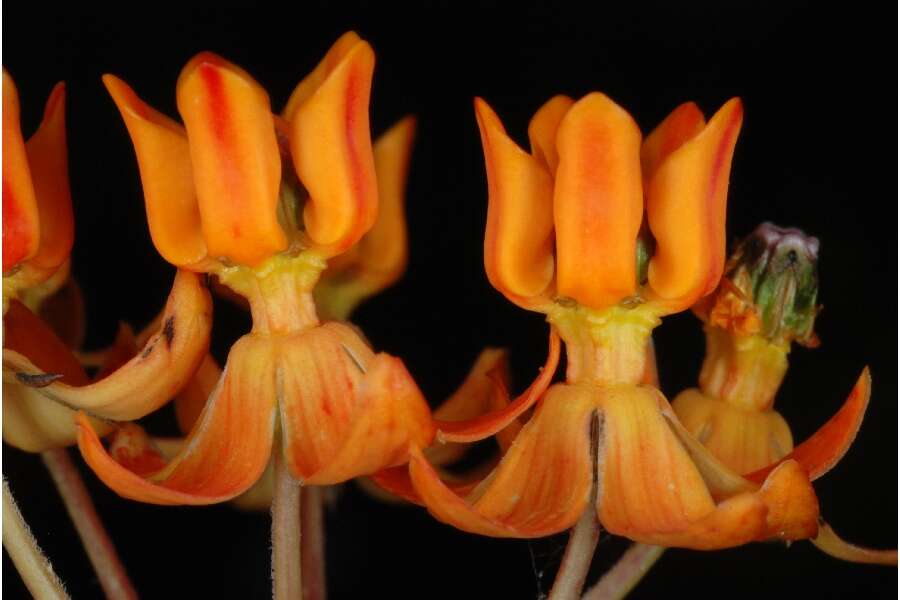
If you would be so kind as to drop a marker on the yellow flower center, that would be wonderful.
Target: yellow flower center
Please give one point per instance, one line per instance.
(608, 346)
(279, 291)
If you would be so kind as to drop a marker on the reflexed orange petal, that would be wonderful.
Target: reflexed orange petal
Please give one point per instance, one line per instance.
(744, 440)
(21, 227)
(154, 376)
(542, 484)
(391, 416)
(32, 422)
(542, 130)
(686, 199)
(483, 426)
(681, 125)
(473, 398)
(395, 484)
(597, 202)
(235, 156)
(518, 241)
(380, 257)
(322, 370)
(331, 148)
(314, 80)
(164, 160)
(49, 165)
(225, 453)
(792, 503)
(822, 450)
(636, 440)
(651, 491)
(831, 544)
(190, 401)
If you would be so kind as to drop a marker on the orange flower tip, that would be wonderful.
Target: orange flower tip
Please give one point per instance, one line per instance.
(486, 425)
(331, 149)
(681, 125)
(686, 199)
(56, 101)
(543, 127)
(236, 162)
(597, 202)
(825, 448)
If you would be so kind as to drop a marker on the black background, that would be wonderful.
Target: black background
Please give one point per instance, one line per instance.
(817, 151)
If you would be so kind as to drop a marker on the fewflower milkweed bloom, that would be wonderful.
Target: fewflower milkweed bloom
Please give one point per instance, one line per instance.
(262, 201)
(605, 233)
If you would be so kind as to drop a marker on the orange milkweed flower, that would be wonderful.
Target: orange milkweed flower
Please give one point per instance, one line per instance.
(766, 301)
(605, 233)
(38, 232)
(262, 201)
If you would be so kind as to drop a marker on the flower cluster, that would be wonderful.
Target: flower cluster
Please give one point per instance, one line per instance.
(298, 216)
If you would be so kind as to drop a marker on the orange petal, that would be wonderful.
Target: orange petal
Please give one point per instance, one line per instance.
(792, 503)
(821, 451)
(32, 422)
(235, 156)
(542, 484)
(473, 398)
(597, 202)
(652, 492)
(190, 401)
(225, 453)
(683, 124)
(331, 148)
(395, 483)
(744, 440)
(483, 426)
(164, 160)
(154, 376)
(542, 130)
(49, 167)
(21, 225)
(636, 443)
(831, 544)
(314, 80)
(323, 370)
(379, 258)
(518, 240)
(391, 416)
(686, 200)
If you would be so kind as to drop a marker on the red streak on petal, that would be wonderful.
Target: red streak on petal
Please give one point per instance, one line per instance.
(717, 258)
(353, 99)
(15, 230)
(217, 105)
(219, 120)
